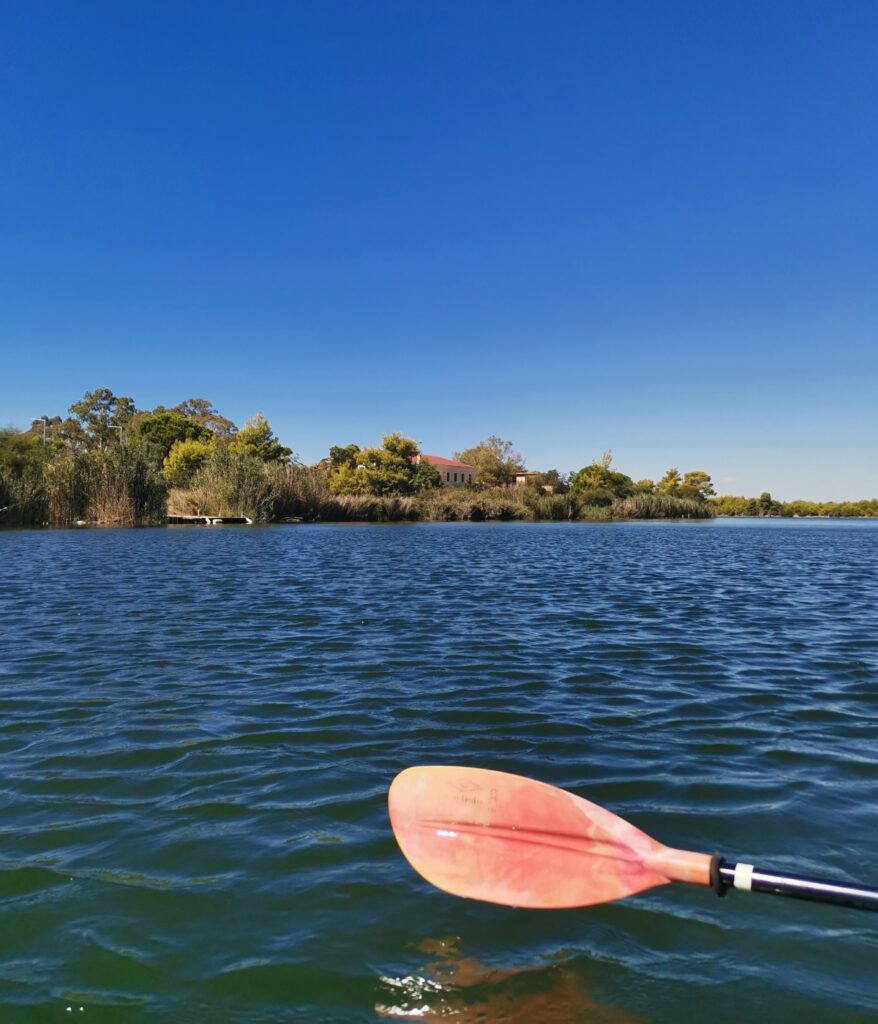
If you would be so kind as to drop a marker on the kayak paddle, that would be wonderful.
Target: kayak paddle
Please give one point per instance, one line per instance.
(505, 839)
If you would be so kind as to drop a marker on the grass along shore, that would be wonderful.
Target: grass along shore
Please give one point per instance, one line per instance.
(125, 486)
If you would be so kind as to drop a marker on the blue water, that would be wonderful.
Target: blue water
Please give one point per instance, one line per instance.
(198, 727)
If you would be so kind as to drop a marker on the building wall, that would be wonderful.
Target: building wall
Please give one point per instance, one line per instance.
(455, 476)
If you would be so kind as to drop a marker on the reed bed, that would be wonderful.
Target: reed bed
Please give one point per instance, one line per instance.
(446, 504)
(22, 497)
(235, 485)
(119, 487)
(661, 506)
(227, 485)
(124, 487)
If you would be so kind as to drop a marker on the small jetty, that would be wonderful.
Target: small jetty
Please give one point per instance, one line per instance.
(209, 521)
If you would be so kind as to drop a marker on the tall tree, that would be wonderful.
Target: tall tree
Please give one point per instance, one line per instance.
(556, 481)
(102, 417)
(767, 505)
(164, 429)
(669, 483)
(696, 484)
(425, 477)
(203, 412)
(346, 456)
(396, 444)
(494, 460)
(19, 451)
(389, 469)
(46, 427)
(597, 484)
(256, 438)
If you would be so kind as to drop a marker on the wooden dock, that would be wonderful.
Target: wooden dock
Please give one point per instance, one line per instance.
(209, 521)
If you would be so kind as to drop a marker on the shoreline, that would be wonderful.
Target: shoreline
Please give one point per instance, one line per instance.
(239, 522)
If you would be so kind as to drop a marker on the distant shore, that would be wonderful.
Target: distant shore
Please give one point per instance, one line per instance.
(109, 463)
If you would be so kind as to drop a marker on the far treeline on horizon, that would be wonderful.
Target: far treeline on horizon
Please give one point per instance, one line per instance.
(109, 463)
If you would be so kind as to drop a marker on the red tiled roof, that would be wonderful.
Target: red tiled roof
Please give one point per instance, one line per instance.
(437, 460)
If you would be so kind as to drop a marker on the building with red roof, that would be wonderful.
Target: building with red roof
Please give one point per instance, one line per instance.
(454, 474)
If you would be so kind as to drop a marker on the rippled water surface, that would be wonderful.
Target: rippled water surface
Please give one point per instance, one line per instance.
(198, 728)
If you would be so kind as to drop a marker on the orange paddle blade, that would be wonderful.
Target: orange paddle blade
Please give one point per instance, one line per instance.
(502, 838)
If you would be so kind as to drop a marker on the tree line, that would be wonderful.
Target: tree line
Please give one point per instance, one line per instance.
(766, 506)
(108, 462)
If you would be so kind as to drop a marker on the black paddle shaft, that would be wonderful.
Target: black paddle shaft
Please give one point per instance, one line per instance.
(819, 890)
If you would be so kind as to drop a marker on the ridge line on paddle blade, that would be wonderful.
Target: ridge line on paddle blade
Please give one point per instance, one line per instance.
(514, 833)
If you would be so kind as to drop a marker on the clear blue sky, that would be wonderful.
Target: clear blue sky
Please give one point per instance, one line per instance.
(649, 227)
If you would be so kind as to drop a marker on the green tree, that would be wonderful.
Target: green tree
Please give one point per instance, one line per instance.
(697, 485)
(46, 427)
(767, 505)
(348, 479)
(494, 460)
(556, 481)
(346, 456)
(731, 505)
(20, 452)
(377, 472)
(644, 487)
(597, 484)
(185, 458)
(669, 483)
(23, 460)
(165, 429)
(102, 417)
(403, 447)
(256, 438)
(425, 477)
(203, 412)
(72, 435)
(387, 470)
(800, 508)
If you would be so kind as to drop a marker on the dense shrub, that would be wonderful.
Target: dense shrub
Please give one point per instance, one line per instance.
(185, 458)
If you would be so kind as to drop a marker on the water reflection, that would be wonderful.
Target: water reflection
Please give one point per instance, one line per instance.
(454, 986)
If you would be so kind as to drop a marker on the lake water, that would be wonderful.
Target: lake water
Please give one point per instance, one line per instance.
(198, 727)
